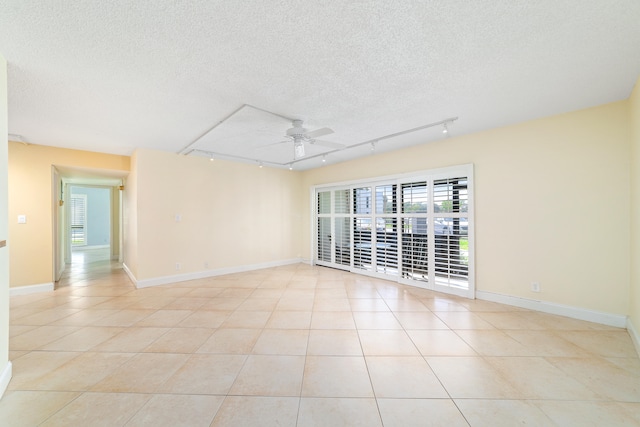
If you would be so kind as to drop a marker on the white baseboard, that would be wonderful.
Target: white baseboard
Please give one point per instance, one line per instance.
(31, 289)
(128, 272)
(5, 377)
(635, 335)
(165, 280)
(617, 320)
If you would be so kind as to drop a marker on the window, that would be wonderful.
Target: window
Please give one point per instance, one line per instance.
(78, 219)
(333, 227)
(415, 254)
(450, 197)
(386, 230)
(413, 229)
(362, 223)
(342, 229)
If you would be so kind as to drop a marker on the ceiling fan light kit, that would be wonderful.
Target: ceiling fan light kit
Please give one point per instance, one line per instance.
(299, 134)
(298, 149)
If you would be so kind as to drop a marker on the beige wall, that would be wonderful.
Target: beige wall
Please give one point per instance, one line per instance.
(551, 204)
(4, 233)
(232, 214)
(634, 113)
(31, 193)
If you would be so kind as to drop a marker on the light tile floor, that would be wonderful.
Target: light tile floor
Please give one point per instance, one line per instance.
(304, 346)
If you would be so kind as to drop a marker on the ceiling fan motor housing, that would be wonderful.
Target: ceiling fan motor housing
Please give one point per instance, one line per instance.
(297, 131)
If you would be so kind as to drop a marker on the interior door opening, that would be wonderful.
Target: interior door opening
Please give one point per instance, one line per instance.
(87, 212)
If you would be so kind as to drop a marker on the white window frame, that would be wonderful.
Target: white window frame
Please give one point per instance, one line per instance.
(430, 176)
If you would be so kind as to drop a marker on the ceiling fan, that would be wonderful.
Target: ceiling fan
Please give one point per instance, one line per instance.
(299, 135)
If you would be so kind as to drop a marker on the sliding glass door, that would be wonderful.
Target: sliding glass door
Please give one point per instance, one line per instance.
(414, 229)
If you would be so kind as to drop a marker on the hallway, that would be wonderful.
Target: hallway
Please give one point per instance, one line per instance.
(89, 264)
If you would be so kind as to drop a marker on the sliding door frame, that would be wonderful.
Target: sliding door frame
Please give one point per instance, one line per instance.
(438, 282)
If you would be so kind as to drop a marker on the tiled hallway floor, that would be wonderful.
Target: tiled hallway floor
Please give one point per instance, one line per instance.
(304, 346)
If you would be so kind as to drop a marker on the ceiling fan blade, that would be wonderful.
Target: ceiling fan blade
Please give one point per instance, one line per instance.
(319, 132)
(328, 144)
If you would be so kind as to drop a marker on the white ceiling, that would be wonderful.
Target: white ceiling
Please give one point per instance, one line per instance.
(112, 76)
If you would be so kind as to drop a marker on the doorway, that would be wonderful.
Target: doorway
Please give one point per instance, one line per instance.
(88, 230)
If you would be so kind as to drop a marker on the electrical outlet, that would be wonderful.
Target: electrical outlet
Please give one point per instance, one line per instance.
(206, 264)
(535, 287)
(178, 266)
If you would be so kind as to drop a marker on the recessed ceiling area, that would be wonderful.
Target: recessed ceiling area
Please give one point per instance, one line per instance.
(119, 75)
(251, 129)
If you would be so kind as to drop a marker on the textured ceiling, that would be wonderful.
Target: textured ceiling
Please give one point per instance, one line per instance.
(112, 76)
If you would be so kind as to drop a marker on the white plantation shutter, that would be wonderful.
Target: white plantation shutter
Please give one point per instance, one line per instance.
(362, 224)
(416, 231)
(324, 226)
(342, 227)
(78, 219)
(333, 227)
(386, 230)
(451, 239)
(415, 257)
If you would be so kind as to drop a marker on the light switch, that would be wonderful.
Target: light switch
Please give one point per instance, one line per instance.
(22, 219)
